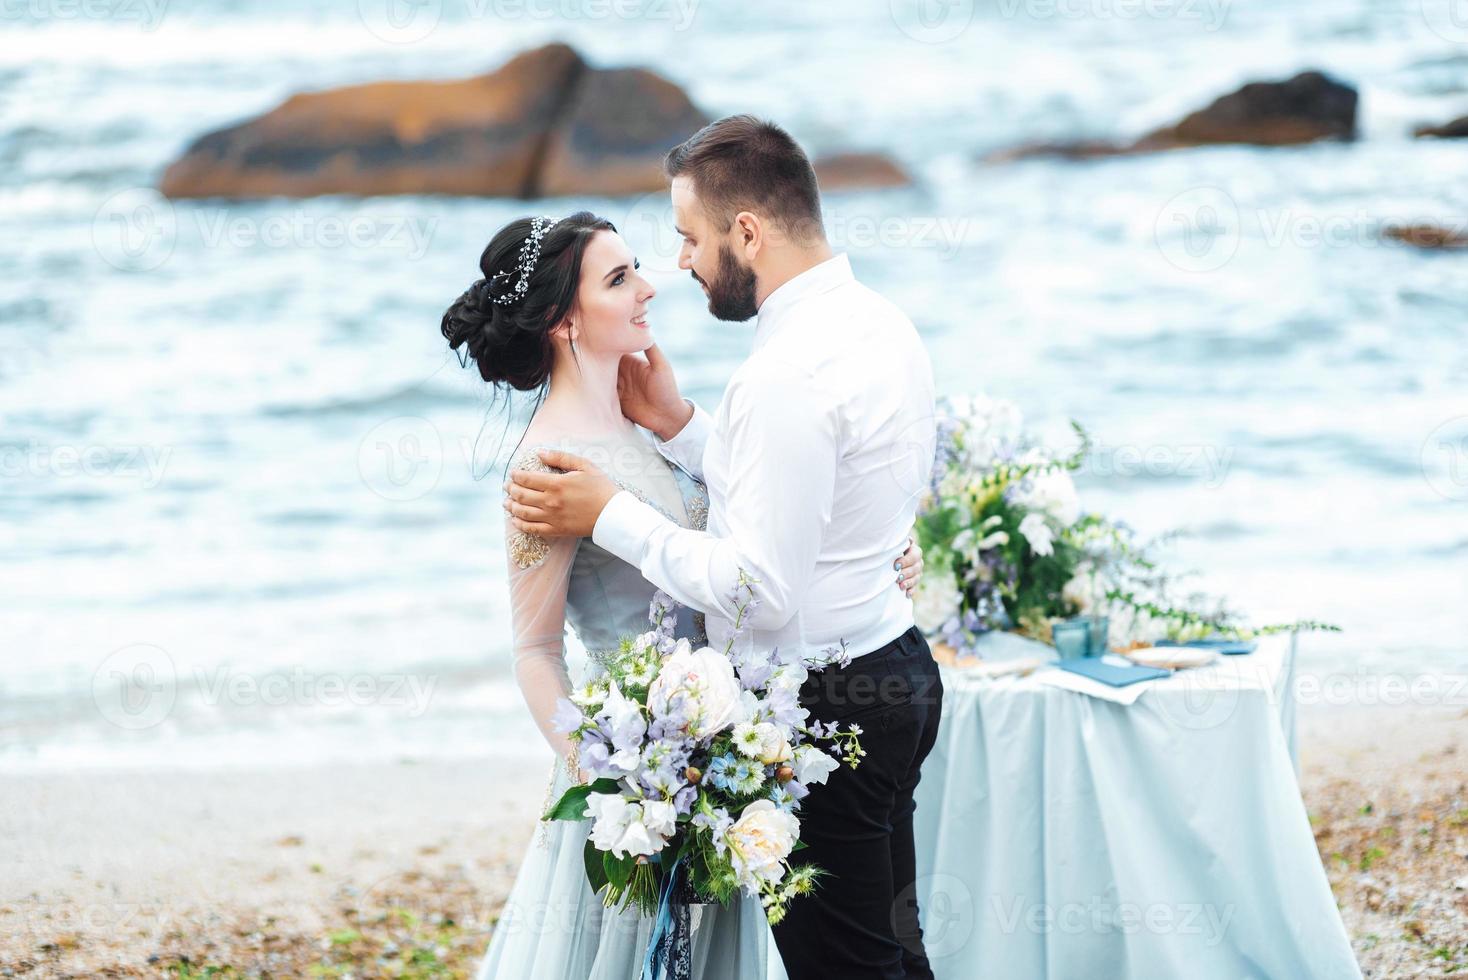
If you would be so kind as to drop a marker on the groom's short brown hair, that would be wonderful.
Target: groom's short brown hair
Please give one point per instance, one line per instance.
(740, 163)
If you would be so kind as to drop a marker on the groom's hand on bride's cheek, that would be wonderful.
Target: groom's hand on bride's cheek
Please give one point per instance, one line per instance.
(557, 505)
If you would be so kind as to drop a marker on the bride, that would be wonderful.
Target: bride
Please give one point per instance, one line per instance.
(562, 311)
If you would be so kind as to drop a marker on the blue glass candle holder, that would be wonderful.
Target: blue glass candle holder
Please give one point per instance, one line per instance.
(1072, 638)
(1098, 629)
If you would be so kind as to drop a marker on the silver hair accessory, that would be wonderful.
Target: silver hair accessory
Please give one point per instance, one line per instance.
(529, 255)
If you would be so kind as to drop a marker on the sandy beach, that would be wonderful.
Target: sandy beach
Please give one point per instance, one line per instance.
(401, 870)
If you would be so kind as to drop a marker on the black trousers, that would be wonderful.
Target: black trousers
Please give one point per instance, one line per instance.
(862, 920)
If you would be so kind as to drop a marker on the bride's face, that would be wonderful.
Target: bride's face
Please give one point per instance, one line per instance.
(611, 302)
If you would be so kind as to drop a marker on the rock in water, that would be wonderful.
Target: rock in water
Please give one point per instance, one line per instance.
(544, 123)
(1427, 236)
(1310, 106)
(1457, 129)
(846, 171)
(613, 136)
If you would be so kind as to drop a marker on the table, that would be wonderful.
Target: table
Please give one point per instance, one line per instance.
(1061, 836)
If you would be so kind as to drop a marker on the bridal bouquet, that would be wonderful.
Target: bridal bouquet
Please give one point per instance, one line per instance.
(699, 759)
(1000, 526)
(1007, 546)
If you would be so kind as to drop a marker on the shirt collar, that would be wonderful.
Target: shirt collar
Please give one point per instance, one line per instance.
(819, 278)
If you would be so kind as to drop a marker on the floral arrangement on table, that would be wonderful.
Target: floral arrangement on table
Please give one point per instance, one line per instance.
(699, 759)
(1006, 545)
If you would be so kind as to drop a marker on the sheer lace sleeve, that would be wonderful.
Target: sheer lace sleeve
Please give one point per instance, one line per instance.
(539, 574)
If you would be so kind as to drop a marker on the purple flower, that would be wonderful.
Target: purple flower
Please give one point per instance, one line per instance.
(567, 717)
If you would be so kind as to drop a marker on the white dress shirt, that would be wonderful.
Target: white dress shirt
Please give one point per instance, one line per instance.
(815, 464)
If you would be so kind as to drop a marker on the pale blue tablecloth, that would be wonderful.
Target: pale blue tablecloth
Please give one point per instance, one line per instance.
(1064, 837)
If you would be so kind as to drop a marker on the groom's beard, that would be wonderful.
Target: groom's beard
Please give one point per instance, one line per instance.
(731, 295)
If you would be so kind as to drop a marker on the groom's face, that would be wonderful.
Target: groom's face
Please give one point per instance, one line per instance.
(710, 257)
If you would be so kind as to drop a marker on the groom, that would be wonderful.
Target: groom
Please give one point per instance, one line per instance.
(814, 463)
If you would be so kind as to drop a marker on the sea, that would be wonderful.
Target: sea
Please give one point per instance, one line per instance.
(249, 501)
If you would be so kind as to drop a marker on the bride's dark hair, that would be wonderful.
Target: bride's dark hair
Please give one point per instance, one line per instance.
(510, 342)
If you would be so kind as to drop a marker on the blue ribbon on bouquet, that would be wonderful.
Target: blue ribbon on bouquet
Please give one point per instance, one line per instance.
(669, 948)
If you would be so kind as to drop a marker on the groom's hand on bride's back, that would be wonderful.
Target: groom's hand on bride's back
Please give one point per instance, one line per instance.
(558, 505)
(649, 393)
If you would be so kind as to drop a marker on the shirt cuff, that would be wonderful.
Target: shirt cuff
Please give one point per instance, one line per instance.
(686, 448)
(624, 526)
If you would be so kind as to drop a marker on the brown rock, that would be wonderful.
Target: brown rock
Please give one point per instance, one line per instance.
(1311, 106)
(1457, 129)
(1308, 107)
(852, 171)
(612, 139)
(1427, 236)
(544, 123)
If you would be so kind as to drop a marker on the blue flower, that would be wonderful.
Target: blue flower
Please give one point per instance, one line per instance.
(719, 772)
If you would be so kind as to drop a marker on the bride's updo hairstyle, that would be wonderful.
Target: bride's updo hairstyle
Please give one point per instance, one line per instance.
(503, 322)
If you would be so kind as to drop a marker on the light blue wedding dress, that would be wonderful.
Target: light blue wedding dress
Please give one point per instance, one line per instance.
(552, 926)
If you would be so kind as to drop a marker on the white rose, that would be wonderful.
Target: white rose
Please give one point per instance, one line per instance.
(1037, 532)
(812, 765)
(660, 817)
(1080, 591)
(759, 841)
(1053, 492)
(624, 827)
(935, 601)
(705, 681)
(773, 747)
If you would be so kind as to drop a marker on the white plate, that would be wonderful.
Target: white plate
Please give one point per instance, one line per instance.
(1016, 666)
(1172, 657)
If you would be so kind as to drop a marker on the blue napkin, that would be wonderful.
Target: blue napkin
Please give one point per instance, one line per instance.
(1227, 647)
(1110, 674)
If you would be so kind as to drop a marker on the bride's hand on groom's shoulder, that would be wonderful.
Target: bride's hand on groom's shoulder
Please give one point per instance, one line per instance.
(558, 505)
(649, 394)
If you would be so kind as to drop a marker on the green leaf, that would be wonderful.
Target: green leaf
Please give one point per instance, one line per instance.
(572, 804)
(596, 873)
(618, 870)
